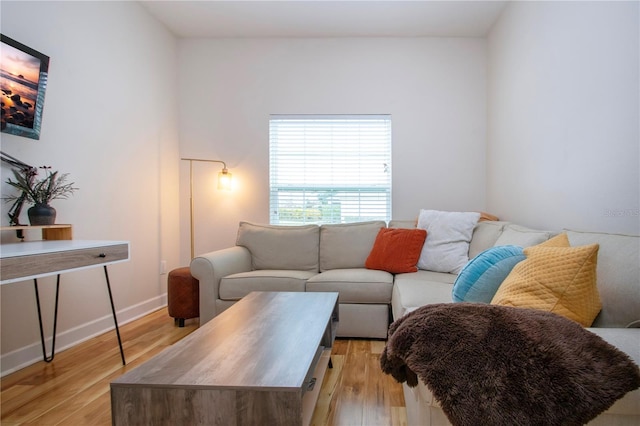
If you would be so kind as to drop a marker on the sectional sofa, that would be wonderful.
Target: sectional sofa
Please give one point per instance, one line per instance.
(301, 258)
(333, 257)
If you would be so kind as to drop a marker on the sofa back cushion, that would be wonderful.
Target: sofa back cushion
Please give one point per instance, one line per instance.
(403, 224)
(618, 276)
(522, 236)
(281, 247)
(485, 235)
(347, 245)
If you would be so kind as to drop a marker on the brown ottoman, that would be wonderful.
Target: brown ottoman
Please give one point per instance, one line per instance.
(183, 295)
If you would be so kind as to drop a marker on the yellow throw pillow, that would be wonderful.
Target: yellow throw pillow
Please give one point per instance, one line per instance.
(555, 278)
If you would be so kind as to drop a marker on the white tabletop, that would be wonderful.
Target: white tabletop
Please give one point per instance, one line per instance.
(45, 258)
(28, 248)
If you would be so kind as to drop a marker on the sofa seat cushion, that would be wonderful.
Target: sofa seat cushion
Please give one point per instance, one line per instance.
(628, 341)
(236, 286)
(410, 291)
(355, 285)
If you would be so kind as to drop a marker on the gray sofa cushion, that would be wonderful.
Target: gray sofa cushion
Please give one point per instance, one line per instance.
(618, 276)
(521, 236)
(485, 235)
(347, 245)
(281, 247)
(356, 285)
(236, 286)
(408, 224)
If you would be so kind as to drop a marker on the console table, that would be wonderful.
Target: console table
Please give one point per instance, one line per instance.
(36, 259)
(260, 362)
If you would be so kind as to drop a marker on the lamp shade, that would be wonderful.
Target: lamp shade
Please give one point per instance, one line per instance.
(224, 180)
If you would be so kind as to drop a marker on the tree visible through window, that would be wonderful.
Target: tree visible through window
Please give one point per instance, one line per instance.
(329, 169)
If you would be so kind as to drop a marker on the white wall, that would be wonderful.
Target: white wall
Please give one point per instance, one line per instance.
(563, 128)
(435, 90)
(110, 121)
(562, 148)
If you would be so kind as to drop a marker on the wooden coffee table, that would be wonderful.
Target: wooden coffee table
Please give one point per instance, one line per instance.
(262, 361)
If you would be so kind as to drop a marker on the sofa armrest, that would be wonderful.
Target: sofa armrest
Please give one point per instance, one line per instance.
(209, 268)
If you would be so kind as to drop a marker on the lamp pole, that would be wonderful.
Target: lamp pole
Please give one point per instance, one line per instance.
(191, 160)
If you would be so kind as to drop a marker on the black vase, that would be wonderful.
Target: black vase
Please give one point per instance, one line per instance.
(42, 214)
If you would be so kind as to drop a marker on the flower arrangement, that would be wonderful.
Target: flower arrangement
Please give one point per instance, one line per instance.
(39, 192)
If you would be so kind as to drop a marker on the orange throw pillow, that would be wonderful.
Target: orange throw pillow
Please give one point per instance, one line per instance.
(396, 250)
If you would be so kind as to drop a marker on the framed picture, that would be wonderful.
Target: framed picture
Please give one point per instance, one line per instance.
(23, 81)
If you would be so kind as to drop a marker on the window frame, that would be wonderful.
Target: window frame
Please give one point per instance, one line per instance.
(336, 201)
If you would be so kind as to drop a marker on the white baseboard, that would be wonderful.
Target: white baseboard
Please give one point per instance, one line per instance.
(25, 356)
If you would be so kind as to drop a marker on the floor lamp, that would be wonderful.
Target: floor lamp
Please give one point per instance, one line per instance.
(224, 182)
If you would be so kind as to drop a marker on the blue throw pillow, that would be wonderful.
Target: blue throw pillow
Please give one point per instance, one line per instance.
(480, 278)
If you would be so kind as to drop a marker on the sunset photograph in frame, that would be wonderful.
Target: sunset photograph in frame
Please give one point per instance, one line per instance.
(23, 81)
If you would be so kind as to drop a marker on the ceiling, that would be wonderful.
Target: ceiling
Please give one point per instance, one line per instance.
(307, 18)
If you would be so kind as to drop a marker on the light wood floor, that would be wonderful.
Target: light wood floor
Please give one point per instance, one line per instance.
(74, 388)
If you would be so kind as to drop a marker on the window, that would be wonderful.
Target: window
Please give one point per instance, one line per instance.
(329, 169)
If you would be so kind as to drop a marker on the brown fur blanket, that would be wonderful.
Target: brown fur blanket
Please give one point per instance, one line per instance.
(498, 365)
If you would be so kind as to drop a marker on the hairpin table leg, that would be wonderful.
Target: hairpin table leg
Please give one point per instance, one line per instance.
(55, 321)
(113, 310)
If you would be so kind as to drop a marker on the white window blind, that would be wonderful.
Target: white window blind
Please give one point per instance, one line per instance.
(329, 169)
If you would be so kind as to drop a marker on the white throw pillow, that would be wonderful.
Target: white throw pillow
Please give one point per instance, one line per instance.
(446, 248)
